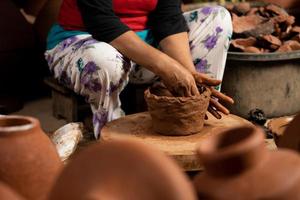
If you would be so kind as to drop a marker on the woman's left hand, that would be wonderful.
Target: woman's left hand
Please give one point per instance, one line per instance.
(215, 105)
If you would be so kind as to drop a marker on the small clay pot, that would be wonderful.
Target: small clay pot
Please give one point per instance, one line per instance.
(238, 166)
(29, 163)
(6, 193)
(123, 170)
(176, 116)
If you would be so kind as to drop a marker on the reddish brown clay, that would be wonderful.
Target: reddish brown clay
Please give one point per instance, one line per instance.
(176, 115)
(245, 23)
(282, 3)
(123, 170)
(291, 136)
(238, 166)
(243, 43)
(6, 193)
(29, 161)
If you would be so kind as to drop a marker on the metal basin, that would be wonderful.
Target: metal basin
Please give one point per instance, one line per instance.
(269, 81)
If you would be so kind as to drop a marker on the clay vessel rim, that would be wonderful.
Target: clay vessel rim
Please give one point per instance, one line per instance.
(150, 95)
(28, 123)
(210, 148)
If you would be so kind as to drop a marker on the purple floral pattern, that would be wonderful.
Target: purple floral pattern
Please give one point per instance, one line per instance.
(207, 10)
(100, 118)
(201, 65)
(89, 77)
(67, 42)
(211, 40)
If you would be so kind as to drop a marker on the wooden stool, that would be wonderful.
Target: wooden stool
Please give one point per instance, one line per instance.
(72, 107)
(65, 103)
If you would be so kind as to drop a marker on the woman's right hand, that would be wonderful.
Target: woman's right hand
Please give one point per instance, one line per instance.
(178, 80)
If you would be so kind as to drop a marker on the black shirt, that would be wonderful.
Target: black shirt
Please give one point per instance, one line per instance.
(101, 21)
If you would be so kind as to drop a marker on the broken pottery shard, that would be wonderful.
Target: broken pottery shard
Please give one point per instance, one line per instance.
(177, 115)
(252, 50)
(261, 29)
(296, 29)
(272, 40)
(290, 45)
(296, 38)
(243, 43)
(252, 11)
(242, 8)
(293, 44)
(66, 139)
(275, 9)
(245, 23)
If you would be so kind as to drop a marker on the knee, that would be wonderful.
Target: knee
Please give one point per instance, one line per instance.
(222, 20)
(109, 61)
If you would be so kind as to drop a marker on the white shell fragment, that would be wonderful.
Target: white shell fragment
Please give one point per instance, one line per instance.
(67, 138)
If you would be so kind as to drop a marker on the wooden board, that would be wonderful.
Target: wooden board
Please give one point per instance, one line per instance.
(182, 148)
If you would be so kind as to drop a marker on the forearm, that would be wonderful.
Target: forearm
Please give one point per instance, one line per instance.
(177, 47)
(130, 45)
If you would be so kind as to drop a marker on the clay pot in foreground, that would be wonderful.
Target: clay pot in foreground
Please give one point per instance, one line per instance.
(29, 163)
(290, 139)
(177, 116)
(6, 193)
(123, 170)
(238, 166)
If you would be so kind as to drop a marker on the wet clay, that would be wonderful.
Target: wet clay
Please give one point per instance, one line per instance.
(28, 159)
(122, 170)
(176, 116)
(238, 166)
(6, 193)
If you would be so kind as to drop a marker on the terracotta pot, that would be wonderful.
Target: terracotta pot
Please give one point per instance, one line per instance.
(6, 193)
(29, 162)
(176, 116)
(238, 166)
(122, 170)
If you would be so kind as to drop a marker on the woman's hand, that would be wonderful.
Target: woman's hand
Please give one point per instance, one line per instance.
(178, 80)
(215, 105)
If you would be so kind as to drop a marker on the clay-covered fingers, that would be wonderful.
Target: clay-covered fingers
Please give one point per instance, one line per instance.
(221, 96)
(215, 103)
(206, 80)
(214, 112)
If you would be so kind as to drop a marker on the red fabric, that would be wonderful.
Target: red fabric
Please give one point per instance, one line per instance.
(133, 13)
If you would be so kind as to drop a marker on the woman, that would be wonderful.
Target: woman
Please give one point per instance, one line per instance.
(96, 43)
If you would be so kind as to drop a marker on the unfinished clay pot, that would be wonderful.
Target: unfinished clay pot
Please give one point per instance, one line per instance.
(29, 161)
(123, 170)
(238, 166)
(176, 116)
(6, 193)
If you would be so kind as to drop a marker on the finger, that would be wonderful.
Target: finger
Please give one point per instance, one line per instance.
(195, 91)
(205, 79)
(214, 112)
(219, 106)
(187, 93)
(206, 117)
(221, 96)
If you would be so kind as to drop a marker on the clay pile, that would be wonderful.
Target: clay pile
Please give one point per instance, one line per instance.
(263, 29)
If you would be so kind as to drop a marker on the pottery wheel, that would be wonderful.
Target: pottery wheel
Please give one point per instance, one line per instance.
(181, 148)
